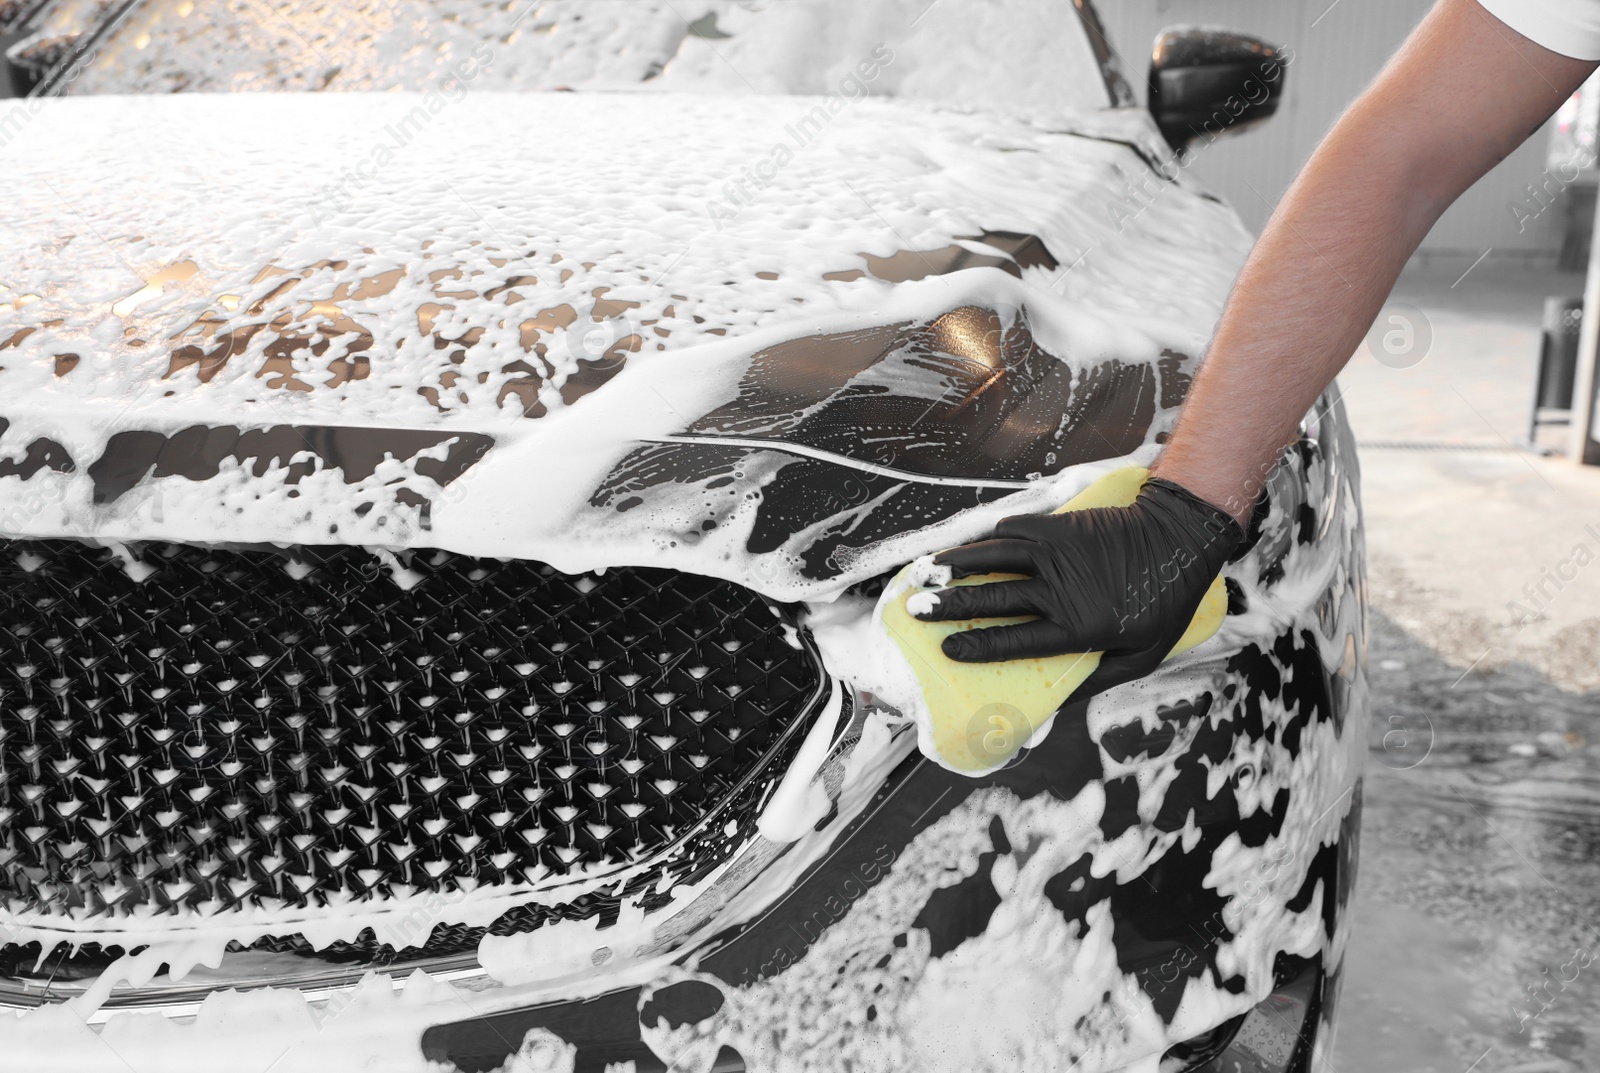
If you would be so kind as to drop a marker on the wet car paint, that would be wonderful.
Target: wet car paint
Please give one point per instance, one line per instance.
(797, 448)
(1169, 919)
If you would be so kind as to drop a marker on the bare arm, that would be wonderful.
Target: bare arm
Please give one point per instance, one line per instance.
(1463, 92)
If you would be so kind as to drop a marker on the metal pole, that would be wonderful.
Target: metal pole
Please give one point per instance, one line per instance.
(1583, 450)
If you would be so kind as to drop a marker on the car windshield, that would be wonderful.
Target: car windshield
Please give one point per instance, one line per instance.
(1031, 57)
(64, 16)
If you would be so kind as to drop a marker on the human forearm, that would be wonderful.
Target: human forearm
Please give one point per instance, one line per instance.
(1125, 581)
(1461, 94)
(1316, 279)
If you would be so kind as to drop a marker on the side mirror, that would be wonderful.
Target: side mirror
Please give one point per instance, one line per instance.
(1204, 82)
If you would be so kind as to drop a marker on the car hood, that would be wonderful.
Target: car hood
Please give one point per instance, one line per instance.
(788, 341)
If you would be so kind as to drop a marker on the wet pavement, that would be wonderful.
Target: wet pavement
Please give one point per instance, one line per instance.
(1476, 921)
(1479, 884)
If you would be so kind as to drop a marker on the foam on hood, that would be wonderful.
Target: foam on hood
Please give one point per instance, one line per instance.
(181, 266)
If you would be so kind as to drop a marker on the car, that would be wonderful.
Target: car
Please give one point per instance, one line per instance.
(445, 502)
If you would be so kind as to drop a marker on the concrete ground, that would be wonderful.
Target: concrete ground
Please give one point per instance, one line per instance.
(1479, 889)
(1462, 526)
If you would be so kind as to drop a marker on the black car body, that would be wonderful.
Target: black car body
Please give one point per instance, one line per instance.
(441, 524)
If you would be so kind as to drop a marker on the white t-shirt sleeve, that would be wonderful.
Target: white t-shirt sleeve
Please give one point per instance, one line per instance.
(1570, 27)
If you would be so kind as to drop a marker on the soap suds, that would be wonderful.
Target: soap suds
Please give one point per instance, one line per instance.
(924, 571)
(402, 309)
(800, 801)
(416, 248)
(136, 570)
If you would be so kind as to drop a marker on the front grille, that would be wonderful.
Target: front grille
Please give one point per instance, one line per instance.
(197, 730)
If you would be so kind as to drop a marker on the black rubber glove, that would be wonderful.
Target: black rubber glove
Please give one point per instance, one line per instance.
(1124, 581)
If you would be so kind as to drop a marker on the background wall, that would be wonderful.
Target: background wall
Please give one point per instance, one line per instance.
(1338, 47)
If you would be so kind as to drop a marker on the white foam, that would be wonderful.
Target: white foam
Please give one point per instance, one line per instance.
(800, 800)
(641, 237)
(921, 604)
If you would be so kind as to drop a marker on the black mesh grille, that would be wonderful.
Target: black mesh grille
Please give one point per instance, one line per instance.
(237, 728)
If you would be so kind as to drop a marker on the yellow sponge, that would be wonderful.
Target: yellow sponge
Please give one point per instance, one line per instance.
(980, 714)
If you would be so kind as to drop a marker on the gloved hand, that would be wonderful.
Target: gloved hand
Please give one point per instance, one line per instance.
(1124, 581)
